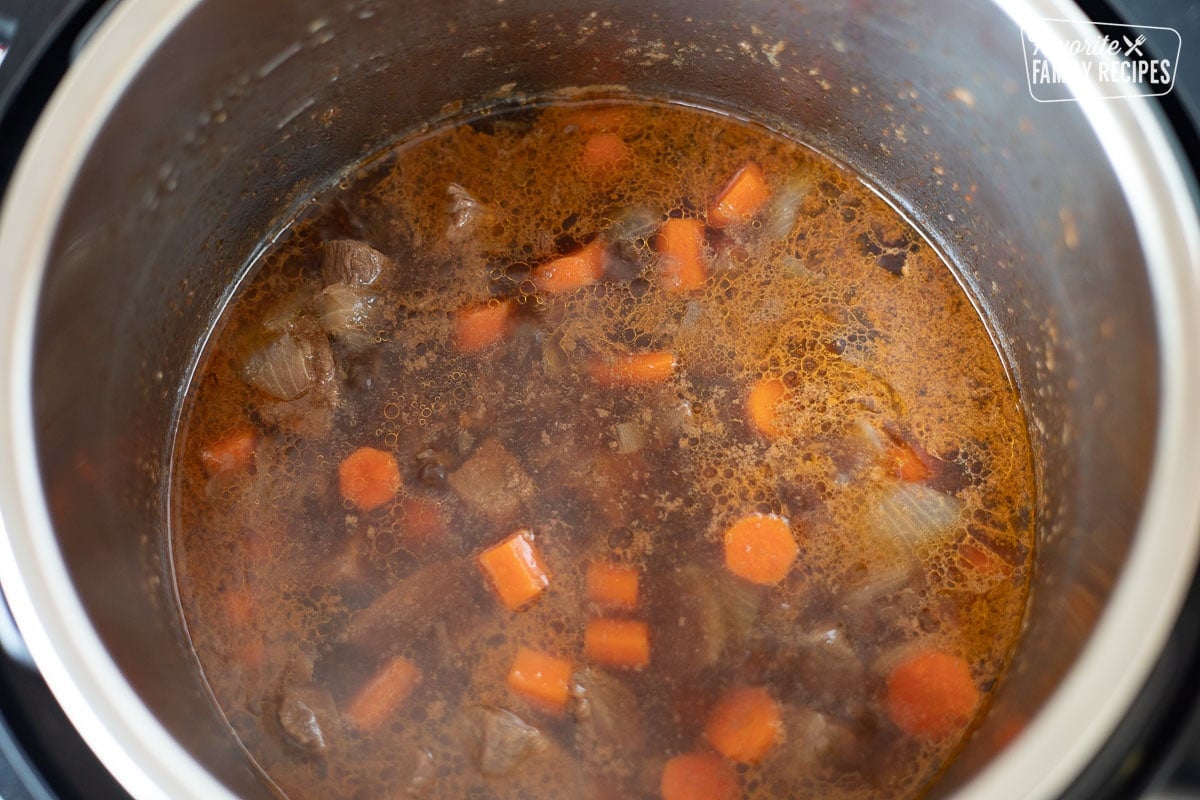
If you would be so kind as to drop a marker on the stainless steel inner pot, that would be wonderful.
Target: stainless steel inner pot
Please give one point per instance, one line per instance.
(190, 129)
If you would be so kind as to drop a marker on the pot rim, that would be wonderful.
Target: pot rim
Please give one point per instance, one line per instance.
(1041, 763)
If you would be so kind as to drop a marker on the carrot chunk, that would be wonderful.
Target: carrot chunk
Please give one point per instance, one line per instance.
(699, 776)
(612, 586)
(479, 327)
(542, 679)
(741, 198)
(369, 478)
(907, 464)
(760, 548)
(762, 405)
(573, 271)
(931, 694)
(515, 570)
(604, 152)
(617, 642)
(744, 724)
(680, 246)
(633, 369)
(596, 119)
(982, 560)
(383, 694)
(233, 451)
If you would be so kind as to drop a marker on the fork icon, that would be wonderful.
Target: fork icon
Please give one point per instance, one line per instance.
(1134, 47)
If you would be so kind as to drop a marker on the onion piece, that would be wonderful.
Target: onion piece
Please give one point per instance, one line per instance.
(914, 513)
(346, 313)
(784, 208)
(281, 368)
(464, 209)
(630, 438)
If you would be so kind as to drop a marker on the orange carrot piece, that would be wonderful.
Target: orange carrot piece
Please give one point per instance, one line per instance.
(617, 642)
(907, 464)
(931, 694)
(541, 679)
(515, 570)
(233, 451)
(604, 152)
(479, 327)
(763, 403)
(633, 369)
(680, 246)
(573, 271)
(981, 560)
(744, 725)
(597, 119)
(240, 607)
(699, 776)
(612, 585)
(760, 548)
(369, 478)
(741, 198)
(250, 653)
(383, 694)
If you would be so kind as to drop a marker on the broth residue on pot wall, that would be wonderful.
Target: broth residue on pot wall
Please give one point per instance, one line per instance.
(602, 450)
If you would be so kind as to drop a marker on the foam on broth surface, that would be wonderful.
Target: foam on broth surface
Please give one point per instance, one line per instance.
(897, 455)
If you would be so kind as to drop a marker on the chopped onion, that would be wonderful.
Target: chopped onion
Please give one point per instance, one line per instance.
(914, 513)
(554, 358)
(630, 438)
(785, 207)
(869, 435)
(346, 313)
(281, 368)
(464, 210)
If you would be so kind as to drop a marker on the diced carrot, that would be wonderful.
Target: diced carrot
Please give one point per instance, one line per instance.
(541, 679)
(762, 405)
(250, 653)
(573, 271)
(596, 119)
(907, 464)
(980, 559)
(479, 327)
(240, 607)
(744, 725)
(604, 152)
(680, 246)
(741, 198)
(369, 478)
(760, 548)
(423, 522)
(233, 451)
(515, 570)
(612, 585)
(633, 369)
(383, 694)
(699, 776)
(931, 694)
(617, 642)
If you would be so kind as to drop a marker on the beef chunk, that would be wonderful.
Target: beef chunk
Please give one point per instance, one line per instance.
(306, 717)
(493, 483)
(353, 263)
(501, 740)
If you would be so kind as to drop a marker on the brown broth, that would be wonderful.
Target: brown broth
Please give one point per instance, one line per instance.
(827, 290)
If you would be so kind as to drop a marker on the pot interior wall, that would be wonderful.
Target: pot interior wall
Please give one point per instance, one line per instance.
(250, 107)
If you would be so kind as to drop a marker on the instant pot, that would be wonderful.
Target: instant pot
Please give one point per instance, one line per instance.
(147, 146)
